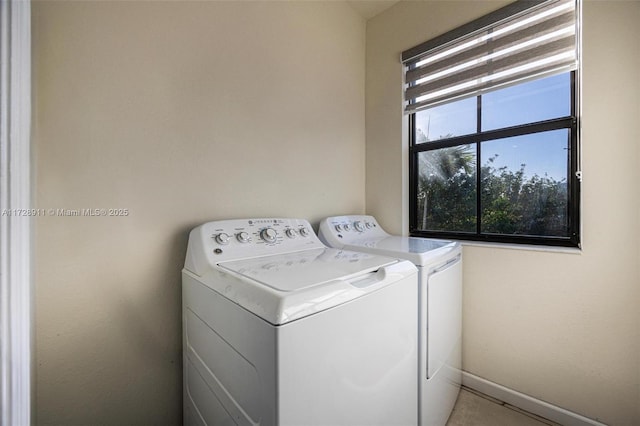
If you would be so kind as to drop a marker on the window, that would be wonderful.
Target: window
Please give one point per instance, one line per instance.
(494, 128)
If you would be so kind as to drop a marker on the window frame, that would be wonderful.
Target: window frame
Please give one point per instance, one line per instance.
(570, 122)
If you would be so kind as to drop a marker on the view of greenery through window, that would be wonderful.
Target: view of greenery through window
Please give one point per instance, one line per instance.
(523, 183)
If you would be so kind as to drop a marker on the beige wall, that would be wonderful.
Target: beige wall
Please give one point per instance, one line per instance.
(560, 327)
(180, 112)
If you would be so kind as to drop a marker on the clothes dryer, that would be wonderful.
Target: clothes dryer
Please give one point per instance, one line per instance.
(278, 329)
(439, 305)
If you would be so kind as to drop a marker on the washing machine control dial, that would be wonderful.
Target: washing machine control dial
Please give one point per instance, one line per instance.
(291, 233)
(243, 237)
(359, 226)
(222, 238)
(347, 227)
(304, 232)
(339, 228)
(269, 235)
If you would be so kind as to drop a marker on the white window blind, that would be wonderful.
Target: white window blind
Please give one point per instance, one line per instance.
(522, 41)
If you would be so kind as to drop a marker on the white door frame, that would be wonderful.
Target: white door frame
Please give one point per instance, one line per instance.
(16, 331)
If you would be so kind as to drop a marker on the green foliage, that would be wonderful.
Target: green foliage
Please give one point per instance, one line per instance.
(512, 203)
(447, 187)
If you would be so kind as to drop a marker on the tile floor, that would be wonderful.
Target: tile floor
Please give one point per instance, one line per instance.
(476, 409)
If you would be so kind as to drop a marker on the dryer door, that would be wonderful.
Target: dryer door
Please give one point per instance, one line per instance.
(444, 314)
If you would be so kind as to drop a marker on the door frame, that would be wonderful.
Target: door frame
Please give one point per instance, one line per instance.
(16, 214)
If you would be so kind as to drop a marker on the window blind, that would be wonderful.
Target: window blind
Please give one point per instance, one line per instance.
(522, 41)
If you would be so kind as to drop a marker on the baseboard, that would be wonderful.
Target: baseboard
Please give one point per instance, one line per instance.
(526, 402)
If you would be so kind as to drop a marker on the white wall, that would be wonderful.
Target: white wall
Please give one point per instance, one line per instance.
(180, 112)
(560, 327)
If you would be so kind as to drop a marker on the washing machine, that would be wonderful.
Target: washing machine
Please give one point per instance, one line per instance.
(278, 329)
(439, 305)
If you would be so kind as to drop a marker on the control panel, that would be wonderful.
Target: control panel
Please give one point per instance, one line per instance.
(225, 240)
(259, 231)
(339, 230)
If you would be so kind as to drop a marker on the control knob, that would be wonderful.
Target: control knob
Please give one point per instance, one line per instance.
(222, 238)
(291, 233)
(243, 237)
(304, 232)
(359, 226)
(269, 235)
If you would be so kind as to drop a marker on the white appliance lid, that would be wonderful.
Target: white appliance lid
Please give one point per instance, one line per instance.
(420, 251)
(304, 269)
(286, 287)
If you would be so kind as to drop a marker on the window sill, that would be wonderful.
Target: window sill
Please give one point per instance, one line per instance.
(526, 247)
